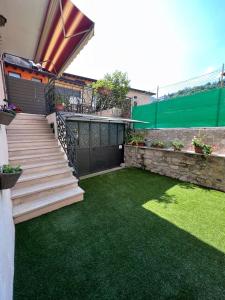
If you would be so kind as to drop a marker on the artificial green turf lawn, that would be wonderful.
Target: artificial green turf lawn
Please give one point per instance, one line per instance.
(135, 236)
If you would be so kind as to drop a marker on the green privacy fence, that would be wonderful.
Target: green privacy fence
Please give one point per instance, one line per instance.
(205, 109)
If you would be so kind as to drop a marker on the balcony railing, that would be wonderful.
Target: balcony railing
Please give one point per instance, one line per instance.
(75, 97)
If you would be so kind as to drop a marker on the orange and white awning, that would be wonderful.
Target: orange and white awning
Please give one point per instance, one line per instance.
(65, 31)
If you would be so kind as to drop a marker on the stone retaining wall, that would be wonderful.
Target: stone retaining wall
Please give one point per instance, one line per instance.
(213, 136)
(186, 166)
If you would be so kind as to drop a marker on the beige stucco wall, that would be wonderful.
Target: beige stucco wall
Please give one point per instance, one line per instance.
(142, 98)
(7, 229)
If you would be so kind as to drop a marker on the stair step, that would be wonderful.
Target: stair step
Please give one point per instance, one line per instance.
(47, 182)
(43, 166)
(24, 116)
(23, 122)
(31, 144)
(28, 211)
(39, 191)
(43, 177)
(31, 137)
(29, 159)
(30, 151)
(41, 125)
(29, 131)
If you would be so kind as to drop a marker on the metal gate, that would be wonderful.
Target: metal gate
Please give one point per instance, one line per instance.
(28, 95)
(99, 145)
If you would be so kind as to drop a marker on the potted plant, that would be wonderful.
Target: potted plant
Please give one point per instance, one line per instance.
(7, 114)
(200, 147)
(177, 145)
(59, 103)
(9, 176)
(59, 107)
(157, 144)
(137, 140)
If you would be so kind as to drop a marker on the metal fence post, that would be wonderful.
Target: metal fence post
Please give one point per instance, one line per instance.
(156, 107)
(219, 97)
(221, 77)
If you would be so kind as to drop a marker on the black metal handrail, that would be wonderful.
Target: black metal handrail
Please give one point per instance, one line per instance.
(68, 141)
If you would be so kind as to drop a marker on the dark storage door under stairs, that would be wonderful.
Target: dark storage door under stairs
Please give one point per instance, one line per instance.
(99, 145)
(28, 95)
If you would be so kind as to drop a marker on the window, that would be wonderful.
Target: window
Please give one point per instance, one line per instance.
(14, 74)
(36, 79)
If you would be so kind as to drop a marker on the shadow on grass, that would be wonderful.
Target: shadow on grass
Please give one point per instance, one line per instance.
(110, 247)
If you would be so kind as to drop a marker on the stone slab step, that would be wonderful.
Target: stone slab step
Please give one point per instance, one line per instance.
(30, 159)
(42, 190)
(41, 125)
(21, 122)
(43, 177)
(29, 210)
(30, 151)
(46, 166)
(25, 116)
(29, 131)
(31, 144)
(31, 137)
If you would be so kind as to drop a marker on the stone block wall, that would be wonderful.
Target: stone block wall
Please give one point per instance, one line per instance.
(186, 166)
(214, 136)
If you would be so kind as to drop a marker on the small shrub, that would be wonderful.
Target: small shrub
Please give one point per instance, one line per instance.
(201, 147)
(10, 169)
(136, 139)
(158, 144)
(177, 145)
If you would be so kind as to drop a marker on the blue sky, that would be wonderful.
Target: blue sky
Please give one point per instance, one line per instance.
(157, 42)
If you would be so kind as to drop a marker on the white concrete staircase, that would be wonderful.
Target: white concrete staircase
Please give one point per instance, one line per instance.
(47, 182)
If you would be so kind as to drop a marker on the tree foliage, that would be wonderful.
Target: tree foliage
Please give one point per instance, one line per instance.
(111, 91)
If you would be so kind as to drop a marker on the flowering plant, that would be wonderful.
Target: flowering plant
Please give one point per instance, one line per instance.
(10, 109)
(198, 143)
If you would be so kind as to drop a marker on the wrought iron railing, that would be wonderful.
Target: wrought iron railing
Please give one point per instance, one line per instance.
(68, 141)
(75, 98)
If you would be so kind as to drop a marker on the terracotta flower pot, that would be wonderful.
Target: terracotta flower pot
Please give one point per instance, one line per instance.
(137, 144)
(8, 180)
(198, 150)
(6, 118)
(141, 144)
(59, 107)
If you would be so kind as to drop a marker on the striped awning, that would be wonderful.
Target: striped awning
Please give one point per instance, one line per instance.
(65, 32)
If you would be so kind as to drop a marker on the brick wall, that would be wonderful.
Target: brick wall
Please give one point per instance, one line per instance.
(190, 167)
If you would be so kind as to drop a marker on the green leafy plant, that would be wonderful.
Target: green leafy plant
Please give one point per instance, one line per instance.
(129, 132)
(201, 147)
(59, 99)
(197, 142)
(111, 91)
(136, 139)
(10, 169)
(177, 145)
(158, 144)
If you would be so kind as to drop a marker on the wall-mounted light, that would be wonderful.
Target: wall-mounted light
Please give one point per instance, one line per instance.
(3, 21)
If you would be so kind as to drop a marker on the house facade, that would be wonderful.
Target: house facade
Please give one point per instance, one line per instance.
(75, 85)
